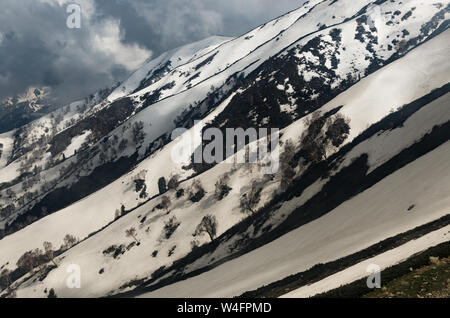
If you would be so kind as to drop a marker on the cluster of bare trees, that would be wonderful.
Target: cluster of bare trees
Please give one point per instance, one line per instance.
(196, 191)
(322, 133)
(140, 185)
(37, 257)
(68, 242)
(7, 211)
(28, 161)
(30, 260)
(123, 144)
(138, 134)
(286, 167)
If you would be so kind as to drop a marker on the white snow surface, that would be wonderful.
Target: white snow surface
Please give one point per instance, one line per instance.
(383, 260)
(7, 142)
(76, 143)
(175, 57)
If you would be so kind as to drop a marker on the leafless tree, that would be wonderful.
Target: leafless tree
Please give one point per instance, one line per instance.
(138, 132)
(69, 241)
(11, 194)
(338, 129)
(123, 144)
(5, 279)
(221, 188)
(286, 158)
(313, 141)
(196, 191)
(131, 232)
(165, 203)
(29, 260)
(250, 200)
(48, 248)
(170, 227)
(174, 182)
(207, 225)
(402, 46)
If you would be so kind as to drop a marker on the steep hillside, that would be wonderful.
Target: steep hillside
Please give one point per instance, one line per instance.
(360, 93)
(335, 44)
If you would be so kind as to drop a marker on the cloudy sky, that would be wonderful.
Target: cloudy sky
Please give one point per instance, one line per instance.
(116, 36)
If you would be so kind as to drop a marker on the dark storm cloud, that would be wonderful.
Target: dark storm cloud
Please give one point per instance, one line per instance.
(161, 25)
(37, 48)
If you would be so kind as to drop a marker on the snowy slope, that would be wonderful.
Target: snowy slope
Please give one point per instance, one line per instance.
(165, 88)
(372, 216)
(166, 62)
(225, 56)
(103, 204)
(384, 260)
(7, 141)
(187, 83)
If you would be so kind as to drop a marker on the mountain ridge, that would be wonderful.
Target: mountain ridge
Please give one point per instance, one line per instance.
(71, 172)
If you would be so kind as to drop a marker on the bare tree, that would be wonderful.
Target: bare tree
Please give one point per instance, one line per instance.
(69, 241)
(170, 227)
(165, 203)
(174, 182)
(123, 144)
(52, 294)
(338, 129)
(196, 192)
(5, 279)
(288, 152)
(286, 158)
(314, 143)
(7, 211)
(138, 132)
(207, 225)
(251, 199)
(131, 232)
(29, 260)
(402, 46)
(11, 194)
(48, 248)
(221, 188)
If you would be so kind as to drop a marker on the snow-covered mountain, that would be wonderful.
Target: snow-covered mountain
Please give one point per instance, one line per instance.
(359, 90)
(21, 109)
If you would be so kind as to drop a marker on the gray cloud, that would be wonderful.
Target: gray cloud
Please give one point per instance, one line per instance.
(37, 49)
(160, 25)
